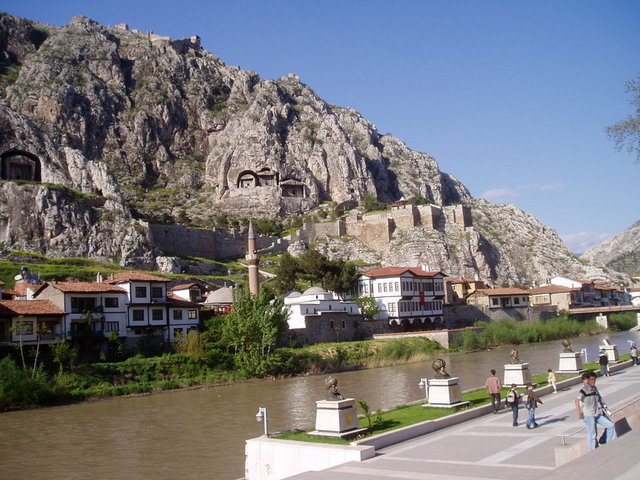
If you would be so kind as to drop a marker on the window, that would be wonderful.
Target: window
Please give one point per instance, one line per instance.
(111, 326)
(343, 324)
(392, 307)
(80, 304)
(379, 288)
(141, 292)
(111, 302)
(156, 292)
(177, 314)
(516, 300)
(137, 315)
(192, 314)
(495, 302)
(157, 314)
(384, 286)
(24, 328)
(397, 286)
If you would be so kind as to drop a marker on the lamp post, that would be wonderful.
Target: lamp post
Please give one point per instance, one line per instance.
(424, 383)
(262, 416)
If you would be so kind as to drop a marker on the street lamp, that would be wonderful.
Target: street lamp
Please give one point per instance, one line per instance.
(424, 383)
(262, 415)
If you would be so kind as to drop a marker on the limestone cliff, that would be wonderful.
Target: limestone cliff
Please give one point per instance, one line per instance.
(105, 128)
(620, 252)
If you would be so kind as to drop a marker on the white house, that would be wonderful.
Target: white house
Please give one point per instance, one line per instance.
(95, 307)
(191, 292)
(319, 316)
(634, 294)
(151, 310)
(586, 297)
(407, 296)
(315, 301)
(30, 321)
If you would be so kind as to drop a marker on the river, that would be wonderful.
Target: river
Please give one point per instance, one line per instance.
(200, 434)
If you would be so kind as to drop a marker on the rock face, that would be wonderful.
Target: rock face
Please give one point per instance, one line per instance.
(109, 126)
(621, 252)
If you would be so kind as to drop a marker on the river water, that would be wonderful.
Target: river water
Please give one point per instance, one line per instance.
(200, 434)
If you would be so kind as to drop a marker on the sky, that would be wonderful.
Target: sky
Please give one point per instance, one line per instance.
(512, 97)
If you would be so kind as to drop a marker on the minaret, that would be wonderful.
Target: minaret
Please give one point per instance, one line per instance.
(252, 262)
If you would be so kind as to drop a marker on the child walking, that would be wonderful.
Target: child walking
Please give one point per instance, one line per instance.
(513, 397)
(551, 378)
(531, 401)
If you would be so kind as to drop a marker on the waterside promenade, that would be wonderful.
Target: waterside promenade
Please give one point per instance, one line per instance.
(490, 447)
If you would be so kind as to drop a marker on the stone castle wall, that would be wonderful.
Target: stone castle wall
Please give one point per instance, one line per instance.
(214, 244)
(375, 235)
(375, 230)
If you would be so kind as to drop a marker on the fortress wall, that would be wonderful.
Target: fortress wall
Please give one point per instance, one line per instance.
(405, 217)
(373, 235)
(458, 215)
(213, 245)
(312, 231)
(429, 215)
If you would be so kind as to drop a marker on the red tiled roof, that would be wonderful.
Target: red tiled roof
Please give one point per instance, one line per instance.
(135, 277)
(551, 289)
(502, 291)
(396, 271)
(85, 287)
(28, 307)
(175, 301)
(463, 280)
(20, 288)
(184, 286)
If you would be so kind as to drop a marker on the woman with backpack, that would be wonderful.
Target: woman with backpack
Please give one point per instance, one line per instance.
(512, 400)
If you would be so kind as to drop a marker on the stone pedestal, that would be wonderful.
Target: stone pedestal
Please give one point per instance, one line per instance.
(517, 373)
(336, 418)
(444, 392)
(612, 352)
(602, 320)
(570, 362)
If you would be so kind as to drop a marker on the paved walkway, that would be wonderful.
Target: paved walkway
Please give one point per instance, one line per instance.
(489, 447)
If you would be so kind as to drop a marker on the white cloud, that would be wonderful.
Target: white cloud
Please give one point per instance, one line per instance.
(580, 242)
(516, 191)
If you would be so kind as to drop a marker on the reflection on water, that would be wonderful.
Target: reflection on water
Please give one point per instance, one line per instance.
(200, 434)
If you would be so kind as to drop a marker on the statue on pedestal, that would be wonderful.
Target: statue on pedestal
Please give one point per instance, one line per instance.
(567, 346)
(515, 358)
(332, 386)
(438, 366)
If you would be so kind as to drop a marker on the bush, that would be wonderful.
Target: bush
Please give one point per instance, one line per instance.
(20, 388)
(619, 322)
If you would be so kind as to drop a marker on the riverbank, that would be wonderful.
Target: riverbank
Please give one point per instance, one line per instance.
(25, 388)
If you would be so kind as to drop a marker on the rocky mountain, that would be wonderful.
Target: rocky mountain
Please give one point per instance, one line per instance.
(107, 128)
(620, 252)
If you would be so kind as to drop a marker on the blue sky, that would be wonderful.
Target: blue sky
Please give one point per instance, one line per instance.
(511, 97)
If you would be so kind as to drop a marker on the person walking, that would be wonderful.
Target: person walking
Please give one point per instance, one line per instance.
(511, 401)
(551, 378)
(634, 353)
(603, 360)
(592, 409)
(531, 400)
(492, 384)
